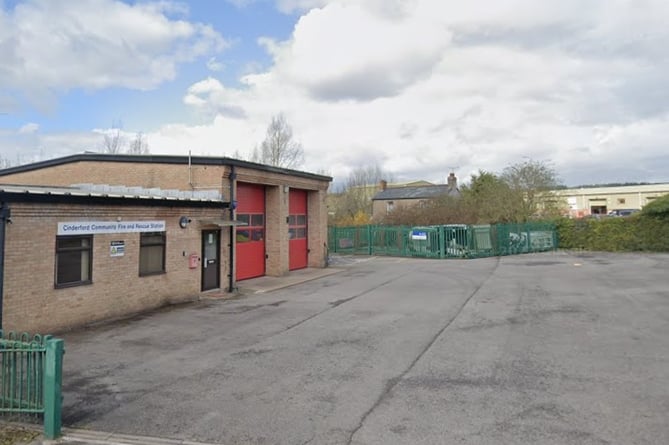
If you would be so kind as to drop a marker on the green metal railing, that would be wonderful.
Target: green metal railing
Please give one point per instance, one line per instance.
(444, 241)
(31, 378)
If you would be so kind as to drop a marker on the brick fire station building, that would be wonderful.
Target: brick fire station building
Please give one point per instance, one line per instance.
(93, 236)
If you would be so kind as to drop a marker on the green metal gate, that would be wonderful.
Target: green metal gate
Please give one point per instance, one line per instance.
(444, 241)
(31, 378)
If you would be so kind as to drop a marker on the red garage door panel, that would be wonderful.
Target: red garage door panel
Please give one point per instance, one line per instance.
(297, 229)
(250, 238)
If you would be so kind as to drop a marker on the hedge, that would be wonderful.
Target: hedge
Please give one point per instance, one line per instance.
(630, 234)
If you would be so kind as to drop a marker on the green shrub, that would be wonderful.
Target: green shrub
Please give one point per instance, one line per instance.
(659, 208)
(636, 233)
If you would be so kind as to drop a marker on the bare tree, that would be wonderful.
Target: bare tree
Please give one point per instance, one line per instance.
(353, 201)
(139, 145)
(5, 162)
(241, 156)
(279, 148)
(113, 141)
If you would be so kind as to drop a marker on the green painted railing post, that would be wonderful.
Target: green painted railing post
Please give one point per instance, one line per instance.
(442, 242)
(53, 379)
(370, 248)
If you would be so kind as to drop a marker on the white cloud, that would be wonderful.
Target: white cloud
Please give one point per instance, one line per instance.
(423, 86)
(349, 52)
(214, 65)
(52, 46)
(29, 128)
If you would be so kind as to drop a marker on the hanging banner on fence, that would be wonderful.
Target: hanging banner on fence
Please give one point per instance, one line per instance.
(416, 235)
(98, 227)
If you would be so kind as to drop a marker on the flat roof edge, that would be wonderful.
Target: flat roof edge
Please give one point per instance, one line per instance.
(160, 159)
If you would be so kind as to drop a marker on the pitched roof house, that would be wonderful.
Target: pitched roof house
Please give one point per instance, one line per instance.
(391, 198)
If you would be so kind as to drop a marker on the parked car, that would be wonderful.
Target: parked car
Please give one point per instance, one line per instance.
(622, 212)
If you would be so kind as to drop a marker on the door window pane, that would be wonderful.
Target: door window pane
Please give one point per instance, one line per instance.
(210, 245)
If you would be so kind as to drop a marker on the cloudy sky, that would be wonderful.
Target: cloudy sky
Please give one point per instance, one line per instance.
(419, 87)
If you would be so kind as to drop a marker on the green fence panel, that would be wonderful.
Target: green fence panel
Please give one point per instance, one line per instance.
(457, 241)
(424, 242)
(444, 241)
(388, 240)
(31, 378)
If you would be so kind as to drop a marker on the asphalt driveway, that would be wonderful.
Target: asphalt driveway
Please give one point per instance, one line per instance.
(552, 348)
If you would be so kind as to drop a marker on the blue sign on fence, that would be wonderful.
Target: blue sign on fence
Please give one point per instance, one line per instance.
(416, 235)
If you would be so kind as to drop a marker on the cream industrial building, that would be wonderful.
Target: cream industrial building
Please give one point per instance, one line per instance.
(585, 201)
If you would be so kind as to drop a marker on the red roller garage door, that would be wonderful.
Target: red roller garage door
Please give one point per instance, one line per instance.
(297, 229)
(250, 238)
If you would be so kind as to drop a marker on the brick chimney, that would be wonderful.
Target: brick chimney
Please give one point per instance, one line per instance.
(452, 181)
(383, 184)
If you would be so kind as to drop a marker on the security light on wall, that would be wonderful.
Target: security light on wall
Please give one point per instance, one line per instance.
(184, 221)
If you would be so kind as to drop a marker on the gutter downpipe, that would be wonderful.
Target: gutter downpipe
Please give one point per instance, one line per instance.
(232, 177)
(5, 214)
(190, 172)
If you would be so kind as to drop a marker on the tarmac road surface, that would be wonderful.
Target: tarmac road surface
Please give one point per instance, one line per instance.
(554, 348)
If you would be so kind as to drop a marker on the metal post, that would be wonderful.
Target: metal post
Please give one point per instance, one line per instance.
(370, 248)
(233, 231)
(5, 217)
(53, 380)
(442, 242)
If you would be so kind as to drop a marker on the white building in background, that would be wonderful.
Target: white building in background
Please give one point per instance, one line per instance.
(586, 201)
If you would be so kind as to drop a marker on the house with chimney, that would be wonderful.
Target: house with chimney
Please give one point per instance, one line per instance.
(389, 199)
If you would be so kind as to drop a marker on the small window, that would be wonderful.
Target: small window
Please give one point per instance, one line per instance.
(301, 220)
(243, 218)
(390, 206)
(151, 253)
(74, 260)
(257, 220)
(243, 235)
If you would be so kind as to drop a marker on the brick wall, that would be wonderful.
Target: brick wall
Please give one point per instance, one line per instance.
(31, 301)
(177, 176)
(317, 228)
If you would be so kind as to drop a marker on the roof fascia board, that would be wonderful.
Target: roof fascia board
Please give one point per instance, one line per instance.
(160, 159)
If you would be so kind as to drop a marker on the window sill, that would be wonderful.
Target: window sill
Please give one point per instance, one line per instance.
(150, 274)
(75, 284)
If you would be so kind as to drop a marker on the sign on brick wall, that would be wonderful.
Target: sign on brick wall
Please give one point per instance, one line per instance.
(117, 248)
(99, 227)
